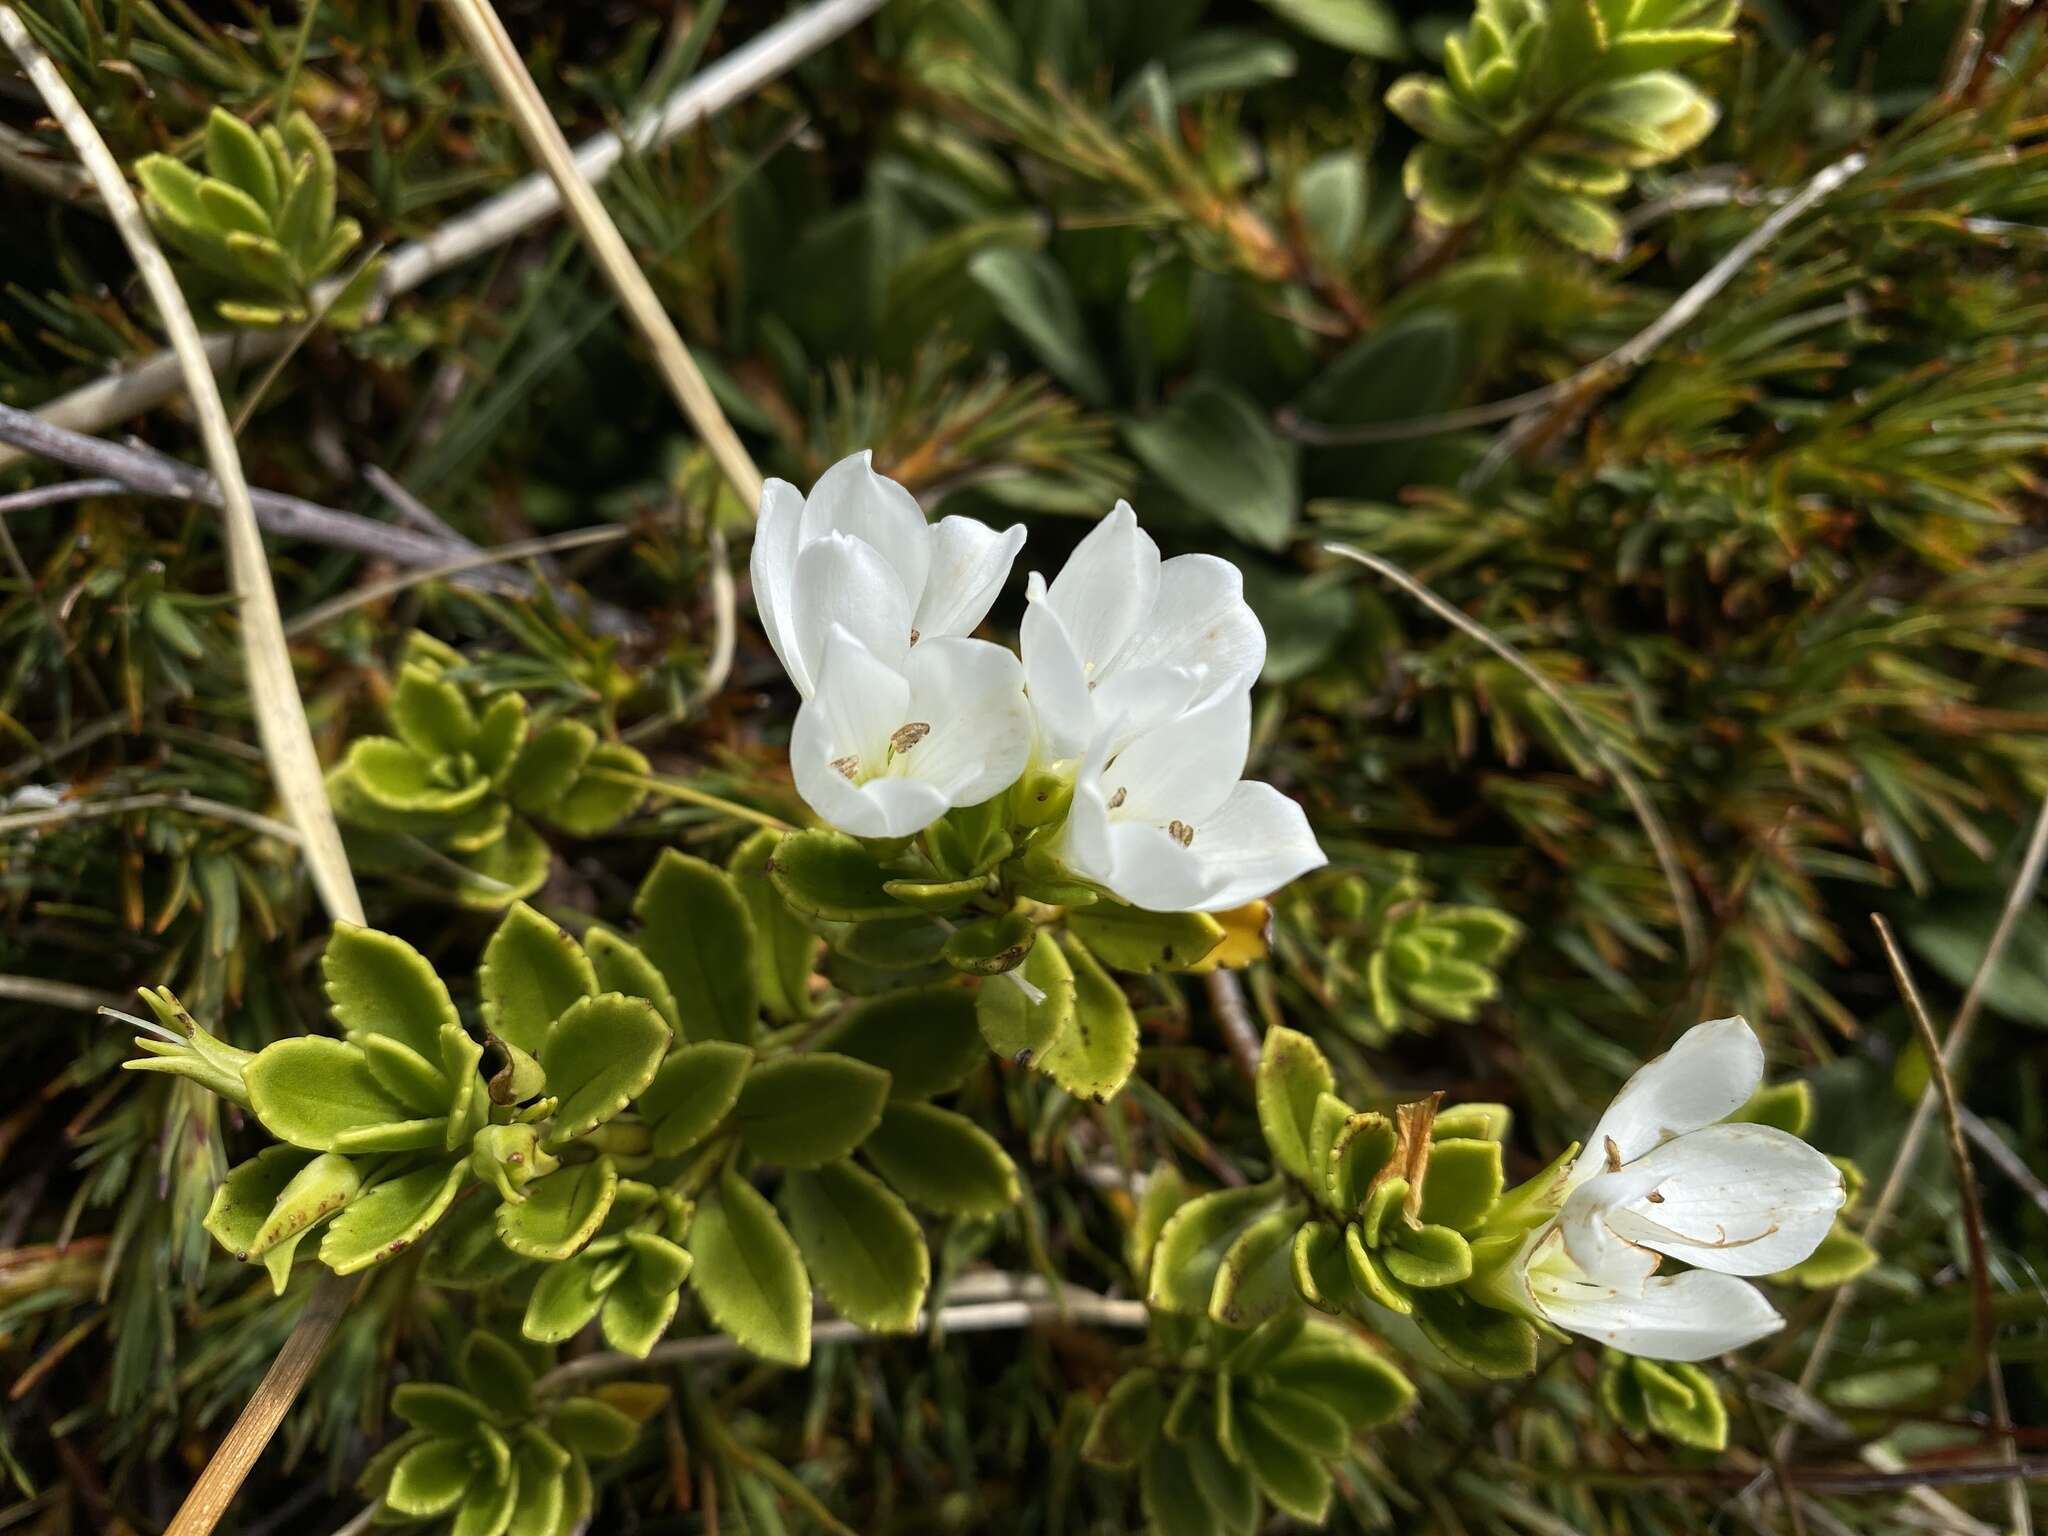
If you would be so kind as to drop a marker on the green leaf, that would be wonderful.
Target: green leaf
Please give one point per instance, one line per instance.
(1497, 1345)
(236, 155)
(1216, 449)
(1017, 1028)
(566, 1298)
(1840, 1258)
(785, 951)
(317, 1191)
(431, 1478)
(623, 967)
(1432, 110)
(1578, 221)
(312, 1090)
(561, 1212)
(636, 1311)
(1031, 292)
(437, 1408)
(1952, 935)
(1167, 1492)
(512, 868)
(830, 875)
(1292, 1074)
(173, 191)
(390, 1218)
(1126, 939)
(696, 930)
(1321, 1273)
(497, 1373)
(927, 1040)
(1682, 1403)
(600, 1053)
(601, 797)
(1093, 1056)
(548, 765)
(1193, 1242)
(1369, 27)
(593, 1427)
(801, 1111)
(1255, 1278)
(1300, 1419)
(1129, 1420)
(499, 733)
(531, 973)
(1286, 1473)
(379, 984)
(407, 1075)
(245, 1198)
(692, 1091)
(942, 1161)
(393, 777)
(989, 946)
(431, 715)
(1785, 1106)
(864, 1249)
(1226, 1487)
(1462, 1183)
(749, 1274)
(1361, 1149)
(541, 1467)
(1369, 1278)
(487, 1509)
(1338, 1369)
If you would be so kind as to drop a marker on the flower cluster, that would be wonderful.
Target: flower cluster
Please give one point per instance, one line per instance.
(1128, 715)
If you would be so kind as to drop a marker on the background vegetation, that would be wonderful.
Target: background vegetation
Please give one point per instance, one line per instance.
(1786, 563)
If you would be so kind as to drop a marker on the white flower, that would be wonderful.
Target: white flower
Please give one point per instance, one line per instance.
(1161, 818)
(1121, 636)
(883, 748)
(1661, 1178)
(858, 552)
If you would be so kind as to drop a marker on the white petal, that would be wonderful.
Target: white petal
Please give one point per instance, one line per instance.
(1185, 769)
(1741, 1199)
(845, 581)
(773, 567)
(1693, 1316)
(1152, 870)
(1708, 1075)
(851, 498)
(1601, 1253)
(1060, 701)
(1257, 842)
(862, 700)
(970, 561)
(1135, 700)
(971, 694)
(1106, 588)
(1083, 844)
(1200, 619)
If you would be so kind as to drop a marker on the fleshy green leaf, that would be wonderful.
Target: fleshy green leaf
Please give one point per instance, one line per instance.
(236, 155)
(312, 1090)
(926, 1040)
(431, 1478)
(379, 984)
(830, 875)
(1129, 1420)
(594, 1427)
(623, 967)
(692, 1091)
(1032, 293)
(547, 766)
(1216, 449)
(696, 931)
(1463, 1182)
(1093, 1056)
(750, 1275)
(1169, 1495)
(390, 1218)
(1017, 1028)
(531, 973)
(600, 1053)
(1126, 939)
(496, 1373)
(566, 1298)
(785, 951)
(603, 794)
(942, 1161)
(1292, 1073)
(561, 1212)
(864, 1249)
(801, 1111)
(1192, 1244)
(431, 715)
(1255, 1278)
(1339, 1370)
(1285, 1472)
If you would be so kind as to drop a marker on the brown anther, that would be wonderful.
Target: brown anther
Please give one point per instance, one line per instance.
(848, 765)
(1117, 799)
(914, 635)
(1180, 832)
(1654, 1198)
(1613, 1155)
(908, 736)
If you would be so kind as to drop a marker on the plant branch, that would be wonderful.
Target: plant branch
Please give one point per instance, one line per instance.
(136, 387)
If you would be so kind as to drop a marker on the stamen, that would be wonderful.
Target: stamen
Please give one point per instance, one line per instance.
(914, 635)
(848, 765)
(908, 736)
(1117, 799)
(1180, 832)
(1613, 1155)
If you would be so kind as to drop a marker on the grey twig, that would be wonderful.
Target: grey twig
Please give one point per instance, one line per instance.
(136, 387)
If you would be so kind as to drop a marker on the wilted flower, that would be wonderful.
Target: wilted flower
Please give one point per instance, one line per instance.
(1662, 1178)
(1122, 636)
(858, 552)
(884, 749)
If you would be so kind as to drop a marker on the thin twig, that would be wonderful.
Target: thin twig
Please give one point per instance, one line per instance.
(57, 994)
(1982, 1327)
(1604, 371)
(2009, 1162)
(2017, 900)
(1032, 1306)
(1240, 1033)
(674, 790)
(55, 495)
(1690, 923)
(136, 387)
(273, 690)
(518, 549)
(198, 805)
(493, 48)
